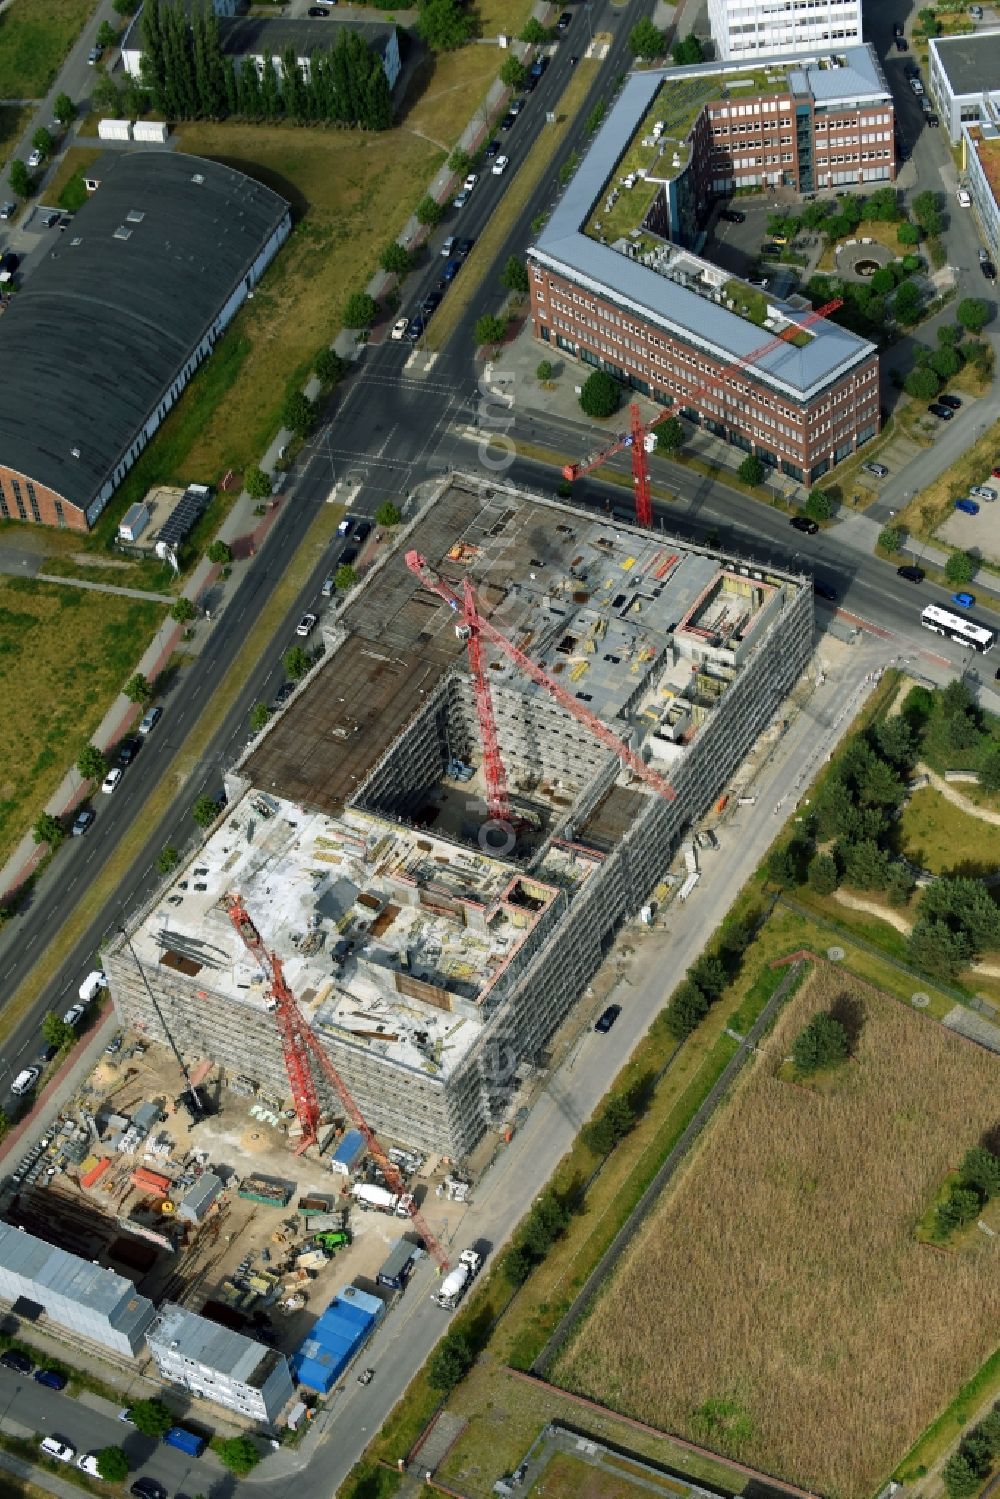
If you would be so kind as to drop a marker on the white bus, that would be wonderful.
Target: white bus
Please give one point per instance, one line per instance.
(957, 627)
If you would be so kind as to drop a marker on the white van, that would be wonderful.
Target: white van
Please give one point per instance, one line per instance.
(92, 985)
(25, 1081)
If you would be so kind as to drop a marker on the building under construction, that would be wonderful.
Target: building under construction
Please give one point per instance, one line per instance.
(433, 946)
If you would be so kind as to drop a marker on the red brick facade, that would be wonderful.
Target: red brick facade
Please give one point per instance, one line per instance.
(22, 499)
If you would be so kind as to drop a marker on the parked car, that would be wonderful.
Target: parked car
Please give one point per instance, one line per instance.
(954, 403)
(318, 12)
(74, 1015)
(770, 251)
(148, 1488)
(733, 216)
(448, 246)
(976, 12)
(306, 625)
(911, 574)
(348, 556)
(824, 590)
(897, 28)
(982, 491)
(901, 44)
(83, 822)
(460, 199)
(451, 270)
(149, 720)
(36, 158)
(878, 469)
(470, 182)
(988, 269)
(363, 530)
(804, 523)
(607, 1020)
(282, 695)
(565, 21)
(7, 210)
(87, 1463)
(18, 1362)
(95, 54)
(127, 751)
(963, 600)
(46, 1054)
(415, 328)
(932, 119)
(964, 198)
(508, 120)
(52, 1379)
(25, 1081)
(431, 303)
(112, 780)
(917, 87)
(911, 70)
(493, 149)
(399, 328)
(463, 248)
(516, 106)
(62, 1451)
(967, 507)
(942, 412)
(500, 165)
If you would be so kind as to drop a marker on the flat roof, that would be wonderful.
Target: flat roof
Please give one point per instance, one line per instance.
(985, 141)
(263, 36)
(103, 1292)
(565, 248)
(970, 63)
(176, 1330)
(118, 302)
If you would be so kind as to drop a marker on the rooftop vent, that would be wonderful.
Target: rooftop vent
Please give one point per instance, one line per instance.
(122, 233)
(75, 452)
(198, 178)
(135, 216)
(76, 241)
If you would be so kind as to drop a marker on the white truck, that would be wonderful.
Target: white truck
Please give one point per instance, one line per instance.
(457, 1281)
(369, 1197)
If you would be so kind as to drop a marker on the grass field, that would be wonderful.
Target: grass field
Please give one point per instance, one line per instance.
(943, 838)
(446, 90)
(54, 698)
(785, 1261)
(12, 123)
(35, 36)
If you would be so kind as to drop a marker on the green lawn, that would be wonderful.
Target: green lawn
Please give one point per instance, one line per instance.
(944, 839)
(35, 36)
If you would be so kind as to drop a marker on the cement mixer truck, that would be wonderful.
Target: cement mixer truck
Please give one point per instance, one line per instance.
(457, 1281)
(371, 1198)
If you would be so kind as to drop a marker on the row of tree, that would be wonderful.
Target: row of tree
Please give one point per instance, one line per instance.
(647, 41)
(977, 1452)
(978, 1180)
(188, 76)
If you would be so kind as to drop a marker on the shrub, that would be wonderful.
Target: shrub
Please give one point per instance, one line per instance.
(296, 662)
(601, 395)
(238, 1454)
(890, 538)
(751, 470)
(205, 811)
(167, 860)
(182, 609)
(429, 211)
(388, 514)
(823, 1043)
(818, 505)
(544, 371)
(256, 483)
(449, 1363)
(360, 310)
(960, 568)
(345, 577)
(329, 366)
(907, 234)
(220, 552)
(686, 1010)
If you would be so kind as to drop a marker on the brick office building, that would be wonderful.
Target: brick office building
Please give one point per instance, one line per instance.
(612, 285)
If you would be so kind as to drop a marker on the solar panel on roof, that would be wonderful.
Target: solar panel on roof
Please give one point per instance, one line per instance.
(178, 526)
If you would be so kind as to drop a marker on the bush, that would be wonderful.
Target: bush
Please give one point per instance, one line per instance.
(345, 577)
(220, 552)
(751, 470)
(329, 366)
(907, 234)
(818, 505)
(489, 329)
(388, 514)
(613, 1123)
(429, 211)
(112, 1464)
(687, 51)
(55, 1031)
(205, 811)
(544, 371)
(960, 568)
(182, 610)
(823, 1043)
(238, 1454)
(989, 770)
(296, 662)
(922, 384)
(686, 1010)
(138, 689)
(167, 860)
(900, 885)
(601, 395)
(450, 1362)
(890, 538)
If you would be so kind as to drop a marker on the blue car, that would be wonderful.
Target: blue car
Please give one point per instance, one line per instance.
(51, 1378)
(451, 270)
(963, 600)
(967, 507)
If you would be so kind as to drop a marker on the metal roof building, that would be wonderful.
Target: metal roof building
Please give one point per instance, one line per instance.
(217, 1364)
(344, 1327)
(109, 328)
(964, 79)
(79, 1297)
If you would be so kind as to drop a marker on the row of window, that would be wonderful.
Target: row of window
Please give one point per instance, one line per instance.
(17, 497)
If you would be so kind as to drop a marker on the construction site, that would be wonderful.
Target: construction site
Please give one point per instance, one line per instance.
(519, 717)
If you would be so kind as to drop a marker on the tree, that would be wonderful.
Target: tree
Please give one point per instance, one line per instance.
(107, 35)
(220, 552)
(936, 950)
(670, 434)
(112, 1464)
(687, 1009)
(388, 514)
(709, 975)
(866, 865)
(329, 366)
(205, 811)
(514, 276)
(517, 1264)
(513, 73)
(923, 205)
(429, 211)
(20, 178)
(781, 866)
(396, 259)
(151, 1417)
(899, 884)
(182, 609)
(823, 1043)
(544, 371)
(345, 577)
(55, 1031)
(687, 51)
(444, 25)
(907, 234)
(922, 384)
(890, 539)
(612, 1124)
(4, 1123)
(298, 413)
(960, 568)
(601, 394)
(460, 161)
(906, 303)
(881, 786)
(48, 829)
(960, 1478)
(980, 1169)
(751, 470)
(534, 33)
(360, 311)
(260, 715)
(449, 1363)
(256, 483)
(961, 1206)
(945, 362)
(63, 108)
(42, 141)
(489, 329)
(167, 860)
(91, 763)
(894, 741)
(822, 874)
(883, 281)
(646, 40)
(973, 314)
(125, 7)
(239, 1454)
(818, 505)
(989, 769)
(296, 662)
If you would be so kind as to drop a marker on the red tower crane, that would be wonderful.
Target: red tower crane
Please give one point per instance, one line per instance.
(635, 438)
(474, 622)
(298, 1039)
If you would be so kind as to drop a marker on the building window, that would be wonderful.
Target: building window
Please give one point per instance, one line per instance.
(36, 514)
(18, 500)
(4, 508)
(60, 515)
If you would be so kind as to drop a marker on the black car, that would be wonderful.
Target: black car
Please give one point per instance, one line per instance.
(803, 523)
(463, 248)
(607, 1020)
(911, 69)
(954, 403)
(911, 574)
(282, 695)
(318, 11)
(148, 1488)
(46, 1054)
(431, 303)
(493, 149)
(348, 556)
(902, 45)
(362, 530)
(9, 261)
(733, 216)
(933, 120)
(988, 269)
(943, 413)
(127, 752)
(508, 120)
(516, 106)
(52, 1379)
(897, 28)
(531, 82)
(415, 329)
(565, 21)
(16, 1361)
(824, 591)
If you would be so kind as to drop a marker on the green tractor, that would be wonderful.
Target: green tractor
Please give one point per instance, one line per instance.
(332, 1241)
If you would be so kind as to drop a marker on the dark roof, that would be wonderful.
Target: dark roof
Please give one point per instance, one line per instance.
(970, 63)
(263, 36)
(106, 322)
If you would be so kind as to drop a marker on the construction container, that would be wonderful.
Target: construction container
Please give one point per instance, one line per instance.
(92, 1177)
(133, 522)
(349, 1153)
(151, 1181)
(308, 1206)
(272, 1194)
(150, 130)
(397, 1268)
(114, 130)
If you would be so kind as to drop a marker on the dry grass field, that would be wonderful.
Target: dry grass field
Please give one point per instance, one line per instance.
(777, 1306)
